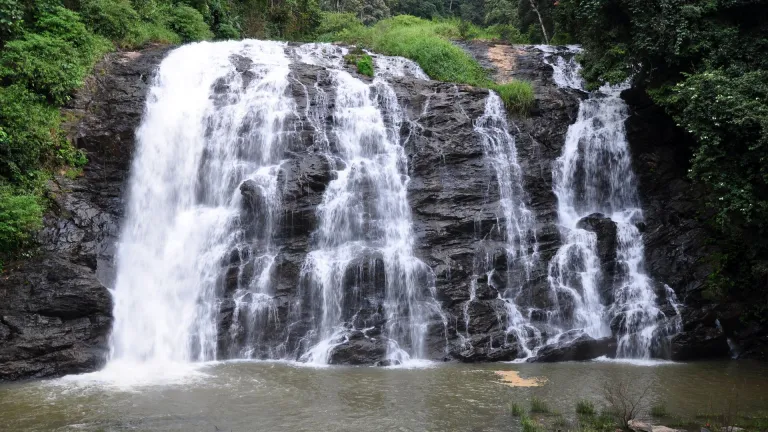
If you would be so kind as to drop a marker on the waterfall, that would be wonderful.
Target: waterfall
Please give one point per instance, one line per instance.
(365, 221)
(198, 251)
(183, 204)
(600, 291)
(516, 223)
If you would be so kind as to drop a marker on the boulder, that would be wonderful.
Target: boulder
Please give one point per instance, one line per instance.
(358, 349)
(699, 343)
(582, 348)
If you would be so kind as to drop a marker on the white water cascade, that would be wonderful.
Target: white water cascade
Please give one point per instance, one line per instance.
(515, 222)
(183, 205)
(365, 217)
(593, 180)
(204, 212)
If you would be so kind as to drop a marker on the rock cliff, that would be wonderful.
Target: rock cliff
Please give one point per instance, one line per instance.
(55, 308)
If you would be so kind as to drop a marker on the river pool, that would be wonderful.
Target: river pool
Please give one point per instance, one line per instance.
(275, 396)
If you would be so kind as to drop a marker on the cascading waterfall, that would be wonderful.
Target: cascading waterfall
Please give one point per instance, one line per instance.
(365, 215)
(593, 179)
(515, 221)
(183, 212)
(204, 209)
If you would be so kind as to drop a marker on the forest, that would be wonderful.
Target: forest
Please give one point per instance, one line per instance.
(702, 61)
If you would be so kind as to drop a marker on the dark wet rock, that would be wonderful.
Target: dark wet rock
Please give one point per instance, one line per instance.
(497, 346)
(358, 349)
(605, 229)
(580, 349)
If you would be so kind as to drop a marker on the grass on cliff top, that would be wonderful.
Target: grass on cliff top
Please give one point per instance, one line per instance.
(427, 43)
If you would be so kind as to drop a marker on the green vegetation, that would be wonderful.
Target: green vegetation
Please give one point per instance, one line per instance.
(585, 408)
(703, 62)
(428, 44)
(529, 424)
(47, 49)
(361, 60)
(516, 409)
(538, 405)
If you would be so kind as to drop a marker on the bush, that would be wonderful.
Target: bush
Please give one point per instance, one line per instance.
(49, 66)
(227, 31)
(54, 61)
(31, 132)
(20, 216)
(111, 18)
(11, 14)
(149, 32)
(365, 65)
(189, 24)
(332, 23)
(61, 23)
(585, 408)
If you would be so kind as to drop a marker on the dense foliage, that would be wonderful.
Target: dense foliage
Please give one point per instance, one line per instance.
(704, 62)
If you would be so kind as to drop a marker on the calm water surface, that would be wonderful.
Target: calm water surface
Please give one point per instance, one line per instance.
(245, 396)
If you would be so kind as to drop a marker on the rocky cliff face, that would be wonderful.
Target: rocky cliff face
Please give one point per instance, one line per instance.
(55, 309)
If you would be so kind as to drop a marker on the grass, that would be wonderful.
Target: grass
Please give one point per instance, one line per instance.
(516, 409)
(585, 408)
(539, 406)
(427, 43)
(658, 410)
(529, 424)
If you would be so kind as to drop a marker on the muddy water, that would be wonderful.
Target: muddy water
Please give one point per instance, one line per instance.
(284, 397)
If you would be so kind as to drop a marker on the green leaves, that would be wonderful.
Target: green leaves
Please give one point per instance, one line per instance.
(188, 23)
(20, 216)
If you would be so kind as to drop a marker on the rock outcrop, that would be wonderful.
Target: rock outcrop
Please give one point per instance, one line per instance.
(55, 308)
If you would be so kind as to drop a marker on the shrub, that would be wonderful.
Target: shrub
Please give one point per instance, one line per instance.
(49, 66)
(20, 216)
(54, 61)
(623, 402)
(61, 23)
(111, 18)
(516, 409)
(11, 14)
(332, 23)
(30, 129)
(148, 32)
(538, 406)
(365, 65)
(585, 408)
(227, 31)
(189, 24)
